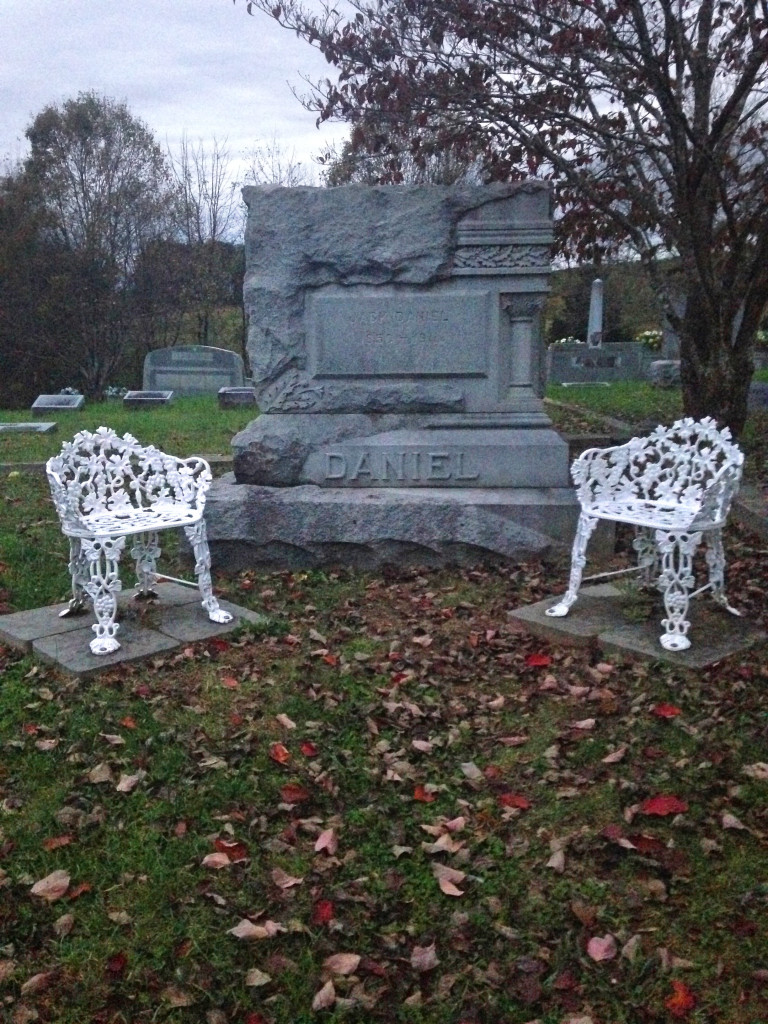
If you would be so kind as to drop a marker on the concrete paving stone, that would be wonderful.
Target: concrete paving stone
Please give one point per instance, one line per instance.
(70, 651)
(597, 617)
(594, 611)
(20, 629)
(187, 625)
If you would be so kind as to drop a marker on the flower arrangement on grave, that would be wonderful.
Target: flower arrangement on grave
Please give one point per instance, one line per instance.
(651, 339)
(70, 391)
(569, 340)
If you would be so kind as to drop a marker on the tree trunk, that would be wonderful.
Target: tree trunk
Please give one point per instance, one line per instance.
(716, 364)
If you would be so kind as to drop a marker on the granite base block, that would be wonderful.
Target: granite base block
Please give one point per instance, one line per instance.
(309, 526)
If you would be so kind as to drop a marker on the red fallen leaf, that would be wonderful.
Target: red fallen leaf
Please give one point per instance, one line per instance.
(662, 805)
(612, 832)
(30, 728)
(514, 800)
(420, 793)
(682, 999)
(218, 644)
(79, 890)
(56, 841)
(292, 793)
(647, 844)
(331, 659)
(492, 771)
(116, 964)
(142, 690)
(322, 912)
(279, 753)
(653, 753)
(255, 1018)
(236, 719)
(180, 829)
(537, 660)
(666, 711)
(230, 683)
(308, 748)
(234, 850)
(128, 722)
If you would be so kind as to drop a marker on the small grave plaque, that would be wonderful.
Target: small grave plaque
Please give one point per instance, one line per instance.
(193, 369)
(44, 404)
(234, 398)
(28, 428)
(146, 399)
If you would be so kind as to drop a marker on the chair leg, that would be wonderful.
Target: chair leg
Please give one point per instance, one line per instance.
(584, 530)
(103, 555)
(196, 535)
(146, 551)
(78, 570)
(647, 554)
(715, 557)
(676, 582)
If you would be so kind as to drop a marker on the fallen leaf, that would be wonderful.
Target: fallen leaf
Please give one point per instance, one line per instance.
(308, 748)
(759, 771)
(663, 805)
(7, 967)
(63, 925)
(557, 861)
(248, 931)
(446, 879)
(682, 999)
(471, 771)
(256, 978)
(100, 774)
(127, 783)
(324, 997)
(177, 996)
(424, 958)
(117, 964)
(342, 963)
(113, 739)
(665, 711)
(119, 917)
(230, 683)
(279, 753)
(602, 947)
(217, 861)
(423, 746)
(327, 841)
(52, 887)
(37, 983)
(731, 821)
(293, 793)
(285, 721)
(56, 841)
(514, 800)
(616, 755)
(422, 794)
(235, 851)
(537, 660)
(283, 880)
(322, 912)
(632, 947)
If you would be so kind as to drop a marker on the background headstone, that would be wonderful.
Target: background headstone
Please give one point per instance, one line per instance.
(146, 399)
(28, 428)
(582, 364)
(192, 370)
(45, 404)
(236, 398)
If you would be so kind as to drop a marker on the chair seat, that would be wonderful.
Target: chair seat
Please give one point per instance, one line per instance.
(126, 521)
(652, 514)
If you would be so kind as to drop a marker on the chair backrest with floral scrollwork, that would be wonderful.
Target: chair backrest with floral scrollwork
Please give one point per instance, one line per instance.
(690, 462)
(103, 471)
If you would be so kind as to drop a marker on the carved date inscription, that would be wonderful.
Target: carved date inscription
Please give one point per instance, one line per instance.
(398, 467)
(401, 335)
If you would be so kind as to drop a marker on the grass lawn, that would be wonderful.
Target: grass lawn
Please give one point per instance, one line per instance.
(388, 805)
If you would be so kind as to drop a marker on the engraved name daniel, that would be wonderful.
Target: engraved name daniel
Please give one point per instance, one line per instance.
(408, 467)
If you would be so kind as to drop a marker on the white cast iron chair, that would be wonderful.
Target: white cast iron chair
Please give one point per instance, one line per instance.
(107, 488)
(675, 486)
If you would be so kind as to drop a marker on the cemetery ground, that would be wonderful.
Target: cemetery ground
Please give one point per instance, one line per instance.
(386, 803)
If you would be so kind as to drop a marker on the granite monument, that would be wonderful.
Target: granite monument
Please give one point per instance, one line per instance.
(394, 342)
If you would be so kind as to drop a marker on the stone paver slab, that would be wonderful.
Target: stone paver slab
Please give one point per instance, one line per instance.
(19, 629)
(70, 651)
(597, 617)
(188, 625)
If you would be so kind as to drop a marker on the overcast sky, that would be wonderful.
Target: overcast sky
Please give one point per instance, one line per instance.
(203, 67)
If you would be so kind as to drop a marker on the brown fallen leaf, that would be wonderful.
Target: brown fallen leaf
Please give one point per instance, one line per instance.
(100, 774)
(327, 841)
(424, 958)
(731, 821)
(325, 997)
(247, 930)
(177, 996)
(127, 783)
(342, 963)
(256, 978)
(63, 925)
(616, 755)
(447, 878)
(37, 983)
(602, 947)
(283, 880)
(52, 887)
(7, 967)
(217, 861)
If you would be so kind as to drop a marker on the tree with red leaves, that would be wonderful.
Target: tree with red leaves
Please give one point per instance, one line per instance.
(647, 115)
